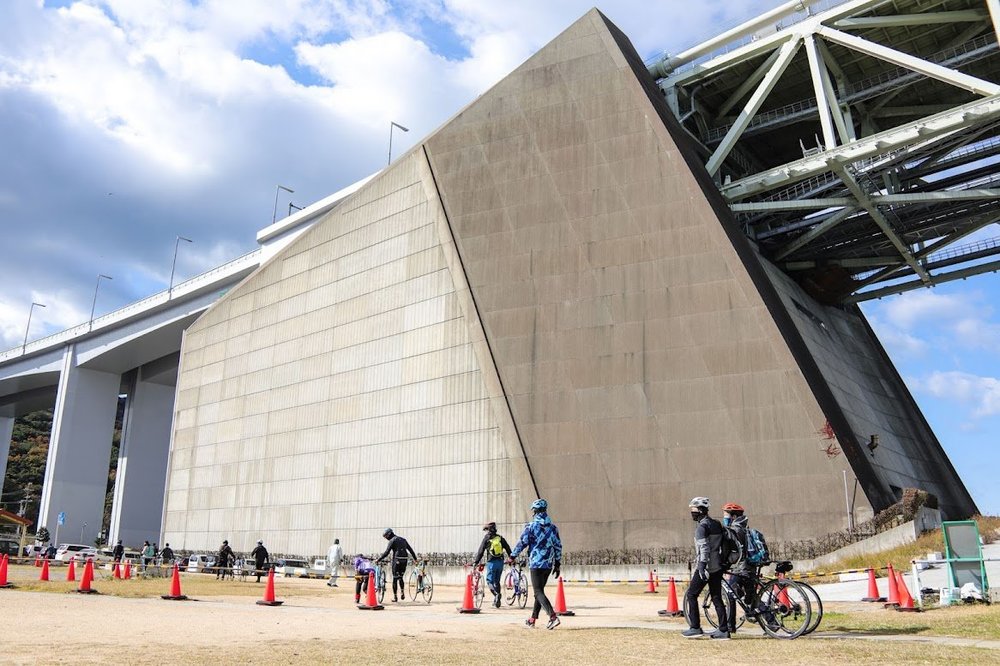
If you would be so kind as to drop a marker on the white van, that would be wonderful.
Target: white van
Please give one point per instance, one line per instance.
(66, 551)
(200, 563)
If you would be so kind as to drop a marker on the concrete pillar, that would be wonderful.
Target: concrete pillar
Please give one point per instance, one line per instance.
(142, 463)
(6, 432)
(76, 473)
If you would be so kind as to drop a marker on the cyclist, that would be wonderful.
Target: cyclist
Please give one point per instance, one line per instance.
(742, 574)
(399, 548)
(708, 544)
(541, 538)
(362, 568)
(261, 558)
(493, 546)
(223, 559)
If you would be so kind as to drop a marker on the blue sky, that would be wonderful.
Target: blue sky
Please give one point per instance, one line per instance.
(127, 122)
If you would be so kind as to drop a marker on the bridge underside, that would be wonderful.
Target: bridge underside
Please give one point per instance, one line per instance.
(858, 146)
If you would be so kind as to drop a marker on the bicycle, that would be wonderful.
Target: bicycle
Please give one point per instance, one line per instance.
(515, 584)
(478, 584)
(421, 583)
(379, 581)
(780, 606)
(815, 603)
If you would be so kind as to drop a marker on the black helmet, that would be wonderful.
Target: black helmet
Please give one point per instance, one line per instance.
(490, 527)
(388, 534)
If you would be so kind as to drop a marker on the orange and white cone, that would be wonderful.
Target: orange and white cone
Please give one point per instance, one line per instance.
(560, 608)
(268, 599)
(3, 573)
(893, 589)
(88, 578)
(117, 572)
(371, 600)
(651, 584)
(45, 571)
(672, 609)
(873, 594)
(128, 570)
(905, 600)
(175, 588)
(467, 604)
(71, 570)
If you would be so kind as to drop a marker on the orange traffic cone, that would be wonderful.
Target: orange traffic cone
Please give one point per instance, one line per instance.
(128, 570)
(651, 585)
(38, 560)
(905, 600)
(467, 605)
(268, 599)
(873, 594)
(371, 601)
(893, 589)
(175, 588)
(88, 578)
(672, 609)
(3, 574)
(560, 608)
(45, 571)
(118, 572)
(71, 570)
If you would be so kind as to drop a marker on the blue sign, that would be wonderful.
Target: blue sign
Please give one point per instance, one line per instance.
(62, 518)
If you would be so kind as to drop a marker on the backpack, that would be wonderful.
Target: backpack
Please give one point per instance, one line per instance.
(731, 550)
(495, 547)
(756, 552)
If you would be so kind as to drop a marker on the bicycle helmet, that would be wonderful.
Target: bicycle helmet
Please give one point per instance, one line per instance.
(733, 507)
(388, 534)
(490, 527)
(699, 503)
(539, 505)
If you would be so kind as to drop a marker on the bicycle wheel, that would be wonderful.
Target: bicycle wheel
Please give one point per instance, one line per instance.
(477, 591)
(522, 586)
(428, 583)
(510, 587)
(784, 610)
(412, 587)
(815, 607)
(707, 609)
(380, 584)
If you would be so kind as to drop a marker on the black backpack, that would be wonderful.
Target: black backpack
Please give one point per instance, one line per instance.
(731, 550)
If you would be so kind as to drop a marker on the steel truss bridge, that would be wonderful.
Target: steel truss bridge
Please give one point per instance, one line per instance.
(857, 142)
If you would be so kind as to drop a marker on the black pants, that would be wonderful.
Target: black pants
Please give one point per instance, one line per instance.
(538, 579)
(259, 570)
(741, 582)
(398, 572)
(698, 583)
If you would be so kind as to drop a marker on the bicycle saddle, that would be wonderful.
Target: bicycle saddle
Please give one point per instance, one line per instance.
(783, 567)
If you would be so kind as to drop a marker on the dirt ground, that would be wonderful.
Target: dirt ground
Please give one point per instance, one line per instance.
(318, 624)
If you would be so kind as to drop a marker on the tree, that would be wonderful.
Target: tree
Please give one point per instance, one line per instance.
(42, 535)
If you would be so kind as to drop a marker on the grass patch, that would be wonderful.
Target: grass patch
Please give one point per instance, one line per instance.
(966, 621)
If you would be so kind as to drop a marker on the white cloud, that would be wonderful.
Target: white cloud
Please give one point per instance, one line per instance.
(981, 394)
(917, 308)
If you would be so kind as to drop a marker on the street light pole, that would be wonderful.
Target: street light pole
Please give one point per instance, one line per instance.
(393, 124)
(173, 264)
(93, 305)
(28, 327)
(274, 214)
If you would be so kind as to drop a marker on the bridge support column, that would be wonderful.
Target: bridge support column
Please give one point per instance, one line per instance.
(6, 432)
(142, 462)
(76, 472)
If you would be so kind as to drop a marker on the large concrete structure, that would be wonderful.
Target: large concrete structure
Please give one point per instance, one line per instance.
(549, 296)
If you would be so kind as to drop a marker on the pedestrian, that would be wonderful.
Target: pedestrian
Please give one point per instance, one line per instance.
(362, 570)
(148, 554)
(260, 559)
(493, 546)
(333, 557)
(708, 537)
(118, 552)
(399, 547)
(541, 538)
(167, 554)
(222, 559)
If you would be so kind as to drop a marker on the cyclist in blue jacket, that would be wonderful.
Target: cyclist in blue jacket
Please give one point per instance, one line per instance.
(541, 538)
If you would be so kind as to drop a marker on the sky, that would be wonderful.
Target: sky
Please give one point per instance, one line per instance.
(125, 123)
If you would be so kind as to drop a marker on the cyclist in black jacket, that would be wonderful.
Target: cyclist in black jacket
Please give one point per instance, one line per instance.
(399, 548)
(493, 546)
(708, 559)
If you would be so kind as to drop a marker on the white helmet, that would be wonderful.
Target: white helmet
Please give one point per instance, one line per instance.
(699, 503)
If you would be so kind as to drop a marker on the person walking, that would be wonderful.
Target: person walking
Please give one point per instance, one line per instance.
(541, 538)
(399, 547)
(148, 554)
(223, 559)
(708, 570)
(118, 552)
(333, 557)
(260, 559)
(167, 554)
(493, 546)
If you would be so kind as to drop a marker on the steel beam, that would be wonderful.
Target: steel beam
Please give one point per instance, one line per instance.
(785, 55)
(940, 278)
(796, 204)
(815, 232)
(816, 66)
(925, 67)
(876, 215)
(747, 85)
(841, 116)
(936, 197)
(930, 18)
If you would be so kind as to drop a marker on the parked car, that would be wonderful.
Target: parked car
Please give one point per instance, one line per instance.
(66, 551)
(292, 567)
(200, 563)
(9, 547)
(319, 569)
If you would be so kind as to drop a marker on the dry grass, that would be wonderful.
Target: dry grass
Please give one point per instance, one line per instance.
(584, 646)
